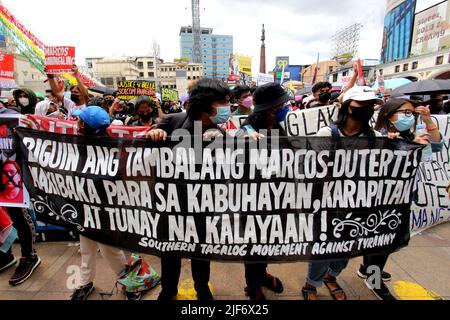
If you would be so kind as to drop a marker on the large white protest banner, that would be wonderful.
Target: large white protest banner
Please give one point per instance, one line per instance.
(431, 205)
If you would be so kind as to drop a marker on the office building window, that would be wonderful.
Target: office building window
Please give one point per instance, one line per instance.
(345, 74)
(89, 64)
(405, 67)
(150, 64)
(109, 81)
(415, 65)
(151, 74)
(141, 74)
(140, 65)
(439, 60)
(397, 69)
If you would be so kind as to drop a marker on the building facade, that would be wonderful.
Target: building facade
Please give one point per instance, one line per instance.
(112, 70)
(325, 68)
(419, 47)
(342, 76)
(216, 51)
(176, 75)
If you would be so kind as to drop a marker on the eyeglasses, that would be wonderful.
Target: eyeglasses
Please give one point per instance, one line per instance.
(407, 113)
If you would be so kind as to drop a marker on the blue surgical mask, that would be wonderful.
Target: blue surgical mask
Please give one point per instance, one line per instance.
(223, 114)
(282, 114)
(404, 123)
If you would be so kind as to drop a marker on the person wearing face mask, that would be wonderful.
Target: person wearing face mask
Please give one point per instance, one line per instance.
(209, 106)
(354, 119)
(398, 119)
(147, 113)
(50, 109)
(244, 99)
(79, 95)
(26, 100)
(436, 104)
(271, 109)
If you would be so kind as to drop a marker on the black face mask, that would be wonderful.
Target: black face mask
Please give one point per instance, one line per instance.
(75, 98)
(108, 103)
(325, 97)
(362, 114)
(145, 117)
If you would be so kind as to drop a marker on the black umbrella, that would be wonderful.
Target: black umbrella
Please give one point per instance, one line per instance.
(425, 87)
(102, 90)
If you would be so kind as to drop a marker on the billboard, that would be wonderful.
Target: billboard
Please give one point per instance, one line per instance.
(422, 5)
(431, 30)
(398, 26)
(240, 65)
(280, 62)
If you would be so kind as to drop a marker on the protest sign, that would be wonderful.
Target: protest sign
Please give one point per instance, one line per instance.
(7, 71)
(169, 94)
(264, 79)
(12, 190)
(59, 60)
(129, 90)
(431, 206)
(224, 202)
(53, 125)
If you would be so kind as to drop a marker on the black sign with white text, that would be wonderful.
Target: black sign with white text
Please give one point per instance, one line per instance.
(293, 199)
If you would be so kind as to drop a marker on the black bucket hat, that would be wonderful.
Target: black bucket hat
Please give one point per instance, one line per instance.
(269, 96)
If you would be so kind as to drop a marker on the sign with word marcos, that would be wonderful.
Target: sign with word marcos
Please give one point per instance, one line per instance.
(316, 198)
(59, 60)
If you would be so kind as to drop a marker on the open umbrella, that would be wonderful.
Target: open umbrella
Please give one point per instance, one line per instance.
(425, 87)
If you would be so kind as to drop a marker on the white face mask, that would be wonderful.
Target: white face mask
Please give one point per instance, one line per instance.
(24, 102)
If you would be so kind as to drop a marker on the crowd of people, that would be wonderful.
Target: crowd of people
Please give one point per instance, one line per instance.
(212, 103)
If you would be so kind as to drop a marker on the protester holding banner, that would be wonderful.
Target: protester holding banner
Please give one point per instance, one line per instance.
(147, 112)
(79, 95)
(93, 121)
(11, 104)
(271, 108)
(26, 100)
(244, 99)
(398, 119)
(209, 105)
(353, 121)
(5, 110)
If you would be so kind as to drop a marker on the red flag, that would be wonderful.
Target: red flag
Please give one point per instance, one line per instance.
(316, 71)
(361, 78)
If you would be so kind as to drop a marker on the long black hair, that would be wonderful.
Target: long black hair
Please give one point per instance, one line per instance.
(387, 111)
(343, 115)
(204, 94)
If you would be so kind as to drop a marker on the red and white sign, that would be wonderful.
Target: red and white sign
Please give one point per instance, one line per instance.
(7, 71)
(59, 60)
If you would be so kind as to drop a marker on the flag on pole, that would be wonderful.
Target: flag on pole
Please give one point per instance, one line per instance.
(316, 71)
(361, 78)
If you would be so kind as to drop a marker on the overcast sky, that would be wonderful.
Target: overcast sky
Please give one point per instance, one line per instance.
(296, 28)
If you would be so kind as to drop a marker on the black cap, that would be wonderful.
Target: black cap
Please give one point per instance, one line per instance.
(269, 96)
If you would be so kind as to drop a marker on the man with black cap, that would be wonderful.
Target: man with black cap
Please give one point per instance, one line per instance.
(271, 108)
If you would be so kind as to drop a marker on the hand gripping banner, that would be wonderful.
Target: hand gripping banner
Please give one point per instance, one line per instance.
(279, 200)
